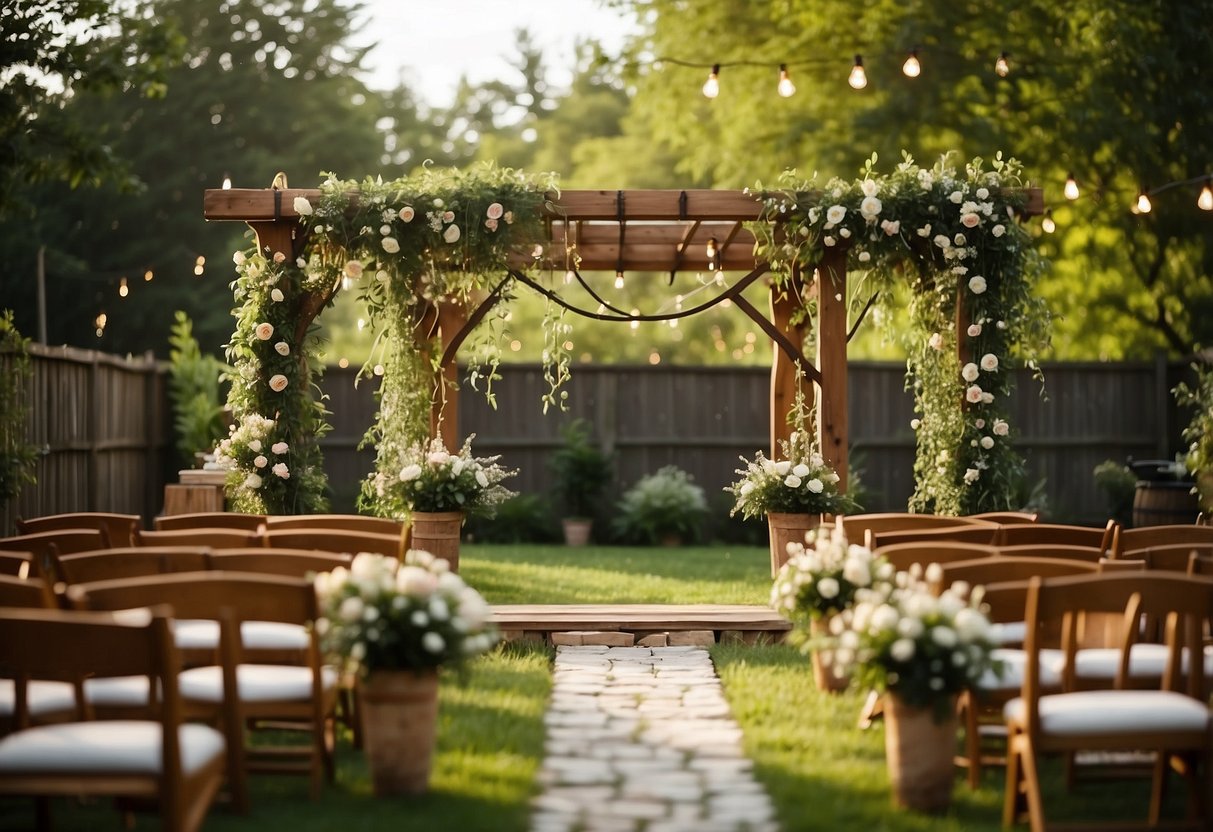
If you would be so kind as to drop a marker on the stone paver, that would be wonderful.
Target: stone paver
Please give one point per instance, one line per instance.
(640, 739)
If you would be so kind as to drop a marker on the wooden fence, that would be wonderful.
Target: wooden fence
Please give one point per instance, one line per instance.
(104, 428)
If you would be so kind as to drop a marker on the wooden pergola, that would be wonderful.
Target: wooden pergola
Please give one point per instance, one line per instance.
(631, 231)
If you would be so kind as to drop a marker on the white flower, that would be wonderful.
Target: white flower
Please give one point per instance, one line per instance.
(869, 187)
(974, 330)
(902, 650)
(282, 348)
(433, 643)
(782, 467)
(448, 216)
(254, 445)
(746, 488)
(351, 609)
(816, 485)
(260, 461)
(302, 207)
(490, 224)
(353, 269)
(482, 478)
(845, 233)
(829, 241)
(410, 472)
(989, 362)
(828, 588)
(982, 193)
(451, 235)
(495, 211)
(969, 372)
(973, 394)
(264, 331)
(801, 470)
(278, 382)
(870, 208)
(957, 197)
(439, 611)
(970, 220)
(792, 481)
(438, 458)
(406, 214)
(835, 214)
(960, 239)
(890, 227)
(419, 618)
(986, 398)
(979, 424)
(998, 230)
(925, 231)
(238, 258)
(864, 257)
(987, 442)
(280, 448)
(252, 481)
(943, 636)
(941, 240)
(915, 424)
(390, 245)
(977, 284)
(276, 295)
(935, 342)
(1001, 428)
(971, 475)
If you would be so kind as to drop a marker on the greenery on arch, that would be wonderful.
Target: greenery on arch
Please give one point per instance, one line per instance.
(952, 235)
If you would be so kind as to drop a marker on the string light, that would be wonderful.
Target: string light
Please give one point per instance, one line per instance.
(711, 87)
(1205, 201)
(1071, 189)
(1001, 66)
(227, 182)
(123, 289)
(1046, 224)
(199, 265)
(568, 277)
(912, 68)
(711, 251)
(619, 280)
(1144, 205)
(785, 87)
(858, 78)
(99, 322)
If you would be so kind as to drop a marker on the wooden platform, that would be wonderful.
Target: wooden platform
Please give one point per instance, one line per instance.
(726, 622)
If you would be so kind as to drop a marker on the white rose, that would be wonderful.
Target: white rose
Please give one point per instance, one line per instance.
(264, 331)
(252, 481)
(782, 467)
(406, 214)
(433, 643)
(482, 478)
(801, 470)
(969, 372)
(390, 245)
(829, 241)
(816, 486)
(451, 235)
(792, 481)
(302, 207)
(977, 284)
(438, 458)
(351, 609)
(278, 383)
(944, 636)
(280, 448)
(998, 230)
(439, 611)
(254, 445)
(925, 231)
(281, 471)
(890, 227)
(495, 211)
(941, 240)
(870, 208)
(970, 220)
(1001, 428)
(974, 330)
(410, 472)
(260, 461)
(353, 269)
(869, 187)
(828, 588)
(986, 398)
(282, 348)
(845, 233)
(915, 424)
(835, 214)
(864, 257)
(989, 362)
(902, 650)
(960, 239)
(935, 342)
(276, 295)
(746, 488)
(238, 258)
(957, 197)
(987, 442)
(973, 394)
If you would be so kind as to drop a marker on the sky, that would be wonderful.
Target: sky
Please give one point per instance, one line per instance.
(435, 43)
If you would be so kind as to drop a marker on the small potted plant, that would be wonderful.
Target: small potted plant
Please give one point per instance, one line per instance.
(582, 473)
(1199, 432)
(395, 624)
(666, 507)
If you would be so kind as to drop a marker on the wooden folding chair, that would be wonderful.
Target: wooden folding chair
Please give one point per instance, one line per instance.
(1006, 518)
(130, 562)
(295, 563)
(45, 546)
(119, 529)
(1057, 551)
(208, 520)
(861, 528)
(157, 758)
(19, 564)
(210, 538)
(1150, 537)
(251, 610)
(972, 532)
(1057, 534)
(344, 522)
(904, 555)
(1171, 722)
(335, 540)
(1172, 558)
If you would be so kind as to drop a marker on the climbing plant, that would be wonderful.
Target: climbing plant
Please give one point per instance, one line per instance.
(17, 454)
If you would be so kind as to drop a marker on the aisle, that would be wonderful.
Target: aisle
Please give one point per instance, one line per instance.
(641, 740)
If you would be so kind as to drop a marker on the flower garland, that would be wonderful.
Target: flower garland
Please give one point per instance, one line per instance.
(972, 263)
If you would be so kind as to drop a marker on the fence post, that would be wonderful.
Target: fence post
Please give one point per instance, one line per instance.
(1162, 406)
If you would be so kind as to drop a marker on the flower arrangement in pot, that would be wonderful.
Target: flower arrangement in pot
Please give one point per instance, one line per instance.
(793, 493)
(921, 649)
(582, 471)
(666, 507)
(819, 581)
(395, 624)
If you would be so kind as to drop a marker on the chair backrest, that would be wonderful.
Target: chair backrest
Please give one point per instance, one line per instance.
(904, 555)
(1006, 518)
(298, 563)
(1173, 558)
(1002, 569)
(1056, 534)
(208, 520)
(119, 529)
(211, 538)
(61, 541)
(1091, 554)
(858, 526)
(1150, 537)
(328, 540)
(26, 592)
(130, 562)
(19, 564)
(344, 522)
(1199, 564)
(974, 532)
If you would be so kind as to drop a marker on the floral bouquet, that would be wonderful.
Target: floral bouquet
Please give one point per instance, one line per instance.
(383, 615)
(822, 578)
(921, 647)
(257, 464)
(431, 479)
(801, 483)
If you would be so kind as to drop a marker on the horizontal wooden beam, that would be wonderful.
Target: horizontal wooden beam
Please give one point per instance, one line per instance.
(639, 257)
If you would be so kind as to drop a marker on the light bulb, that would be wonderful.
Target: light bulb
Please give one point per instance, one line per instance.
(1205, 201)
(1071, 189)
(147, 276)
(786, 88)
(618, 280)
(568, 277)
(227, 182)
(1143, 203)
(859, 78)
(912, 68)
(711, 87)
(1047, 225)
(123, 289)
(711, 251)
(1001, 66)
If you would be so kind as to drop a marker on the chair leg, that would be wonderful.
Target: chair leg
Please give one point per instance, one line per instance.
(1031, 779)
(968, 707)
(1158, 786)
(1011, 794)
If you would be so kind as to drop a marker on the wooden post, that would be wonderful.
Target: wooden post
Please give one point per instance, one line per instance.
(833, 433)
(444, 413)
(785, 303)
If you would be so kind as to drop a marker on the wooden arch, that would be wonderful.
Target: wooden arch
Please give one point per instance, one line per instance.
(641, 230)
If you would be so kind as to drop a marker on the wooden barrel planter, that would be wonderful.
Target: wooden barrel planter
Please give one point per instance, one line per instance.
(1164, 503)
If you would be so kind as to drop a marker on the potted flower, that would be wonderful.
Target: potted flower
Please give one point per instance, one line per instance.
(792, 492)
(666, 507)
(1199, 432)
(921, 650)
(819, 581)
(395, 624)
(437, 489)
(582, 472)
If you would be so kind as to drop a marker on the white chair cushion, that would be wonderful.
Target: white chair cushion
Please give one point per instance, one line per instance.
(1145, 661)
(44, 697)
(256, 683)
(1014, 662)
(1009, 632)
(117, 691)
(203, 634)
(118, 746)
(1114, 711)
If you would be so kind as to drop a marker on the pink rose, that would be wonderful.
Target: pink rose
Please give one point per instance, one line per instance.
(495, 211)
(264, 331)
(278, 383)
(973, 394)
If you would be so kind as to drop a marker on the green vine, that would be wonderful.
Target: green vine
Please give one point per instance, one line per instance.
(954, 235)
(17, 456)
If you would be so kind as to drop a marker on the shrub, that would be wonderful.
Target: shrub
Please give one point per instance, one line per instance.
(661, 506)
(198, 411)
(526, 518)
(582, 471)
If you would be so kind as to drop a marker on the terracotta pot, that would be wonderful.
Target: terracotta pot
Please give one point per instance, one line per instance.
(919, 751)
(438, 534)
(576, 531)
(823, 662)
(399, 711)
(785, 529)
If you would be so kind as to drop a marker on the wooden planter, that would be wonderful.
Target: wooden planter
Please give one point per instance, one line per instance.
(785, 529)
(919, 751)
(438, 533)
(823, 662)
(399, 711)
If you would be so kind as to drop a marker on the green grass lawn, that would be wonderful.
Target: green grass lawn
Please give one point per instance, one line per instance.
(822, 772)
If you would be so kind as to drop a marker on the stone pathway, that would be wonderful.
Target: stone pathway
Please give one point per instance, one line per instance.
(641, 740)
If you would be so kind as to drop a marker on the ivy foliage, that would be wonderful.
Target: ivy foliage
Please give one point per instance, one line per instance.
(17, 454)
